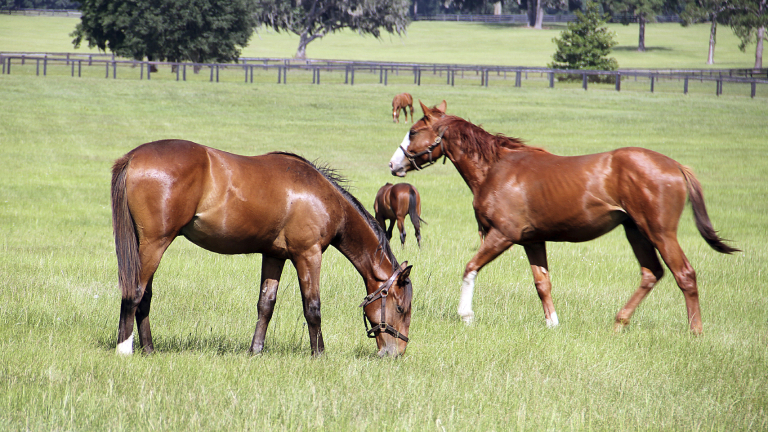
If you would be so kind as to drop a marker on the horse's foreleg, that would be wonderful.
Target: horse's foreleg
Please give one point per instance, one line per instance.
(650, 269)
(271, 270)
(495, 243)
(537, 257)
(308, 270)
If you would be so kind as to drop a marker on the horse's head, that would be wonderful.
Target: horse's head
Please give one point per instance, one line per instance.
(388, 309)
(421, 145)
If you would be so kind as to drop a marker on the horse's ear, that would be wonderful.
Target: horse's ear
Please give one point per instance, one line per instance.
(441, 107)
(424, 108)
(405, 271)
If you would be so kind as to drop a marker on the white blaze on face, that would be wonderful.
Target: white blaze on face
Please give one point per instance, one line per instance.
(398, 162)
(126, 347)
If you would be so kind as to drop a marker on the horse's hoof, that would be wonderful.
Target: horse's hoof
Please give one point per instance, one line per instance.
(619, 327)
(468, 318)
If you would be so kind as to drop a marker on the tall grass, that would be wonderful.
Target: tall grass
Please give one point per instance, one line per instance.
(59, 300)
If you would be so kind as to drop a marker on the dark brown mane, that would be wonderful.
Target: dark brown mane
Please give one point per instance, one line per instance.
(476, 141)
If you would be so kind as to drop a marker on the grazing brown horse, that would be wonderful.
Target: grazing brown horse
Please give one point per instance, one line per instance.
(403, 101)
(528, 196)
(392, 203)
(278, 204)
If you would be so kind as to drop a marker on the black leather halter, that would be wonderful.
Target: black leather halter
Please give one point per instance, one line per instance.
(382, 327)
(412, 156)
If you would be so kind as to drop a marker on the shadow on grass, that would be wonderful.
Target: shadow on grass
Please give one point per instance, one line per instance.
(627, 48)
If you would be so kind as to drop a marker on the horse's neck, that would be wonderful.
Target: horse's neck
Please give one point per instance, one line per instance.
(359, 244)
(473, 169)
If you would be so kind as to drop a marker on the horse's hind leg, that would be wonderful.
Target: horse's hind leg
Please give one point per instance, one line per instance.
(401, 228)
(685, 276)
(138, 306)
(650, 269)
(271, 270)
(537, 257)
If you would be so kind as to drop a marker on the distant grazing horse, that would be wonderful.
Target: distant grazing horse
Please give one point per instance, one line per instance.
(403, 101)
(279, 205)
(392, 203)
(528, 196)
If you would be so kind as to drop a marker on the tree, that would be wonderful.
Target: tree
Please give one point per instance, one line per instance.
(705, 10)
(172, 30)
(38, 4)
(749, 19)
(586, 43)
(643, 10)
(314, 19)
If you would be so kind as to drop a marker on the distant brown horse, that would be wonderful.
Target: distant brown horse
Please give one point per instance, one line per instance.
(528, 196)
(392, 203)
(403, 101)
(279, 205)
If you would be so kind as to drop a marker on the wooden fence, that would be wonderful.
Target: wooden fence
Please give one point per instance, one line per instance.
(283, 70)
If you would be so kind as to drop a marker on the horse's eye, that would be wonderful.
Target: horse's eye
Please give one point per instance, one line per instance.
(400, 309)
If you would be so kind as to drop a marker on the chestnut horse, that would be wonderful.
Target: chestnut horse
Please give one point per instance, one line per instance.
(528, 196)
(392, 203)
(278, 204)
(403, 101)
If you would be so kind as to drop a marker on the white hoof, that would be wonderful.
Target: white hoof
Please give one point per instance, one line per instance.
(467, 317)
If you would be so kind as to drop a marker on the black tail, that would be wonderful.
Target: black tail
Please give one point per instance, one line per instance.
(704, 225)
(124, 228)
(413, 212)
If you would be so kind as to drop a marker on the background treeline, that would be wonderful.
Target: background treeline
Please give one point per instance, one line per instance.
(38, 4)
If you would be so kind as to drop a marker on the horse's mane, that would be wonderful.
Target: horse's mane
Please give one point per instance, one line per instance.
(340, 183)
(476, 141)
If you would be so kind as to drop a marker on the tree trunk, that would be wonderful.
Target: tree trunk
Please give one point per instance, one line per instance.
(497, 8)
(531, 13)
(759, 50)
(301, 52)
(415, 8)
(539, 15)
(712, 34)
(641, 41)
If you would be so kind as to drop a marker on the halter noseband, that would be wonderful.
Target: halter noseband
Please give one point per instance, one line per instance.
(412, 156)
(382, 327)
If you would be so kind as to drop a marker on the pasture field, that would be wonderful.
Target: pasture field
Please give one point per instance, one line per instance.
(668, 45)
(59, 299)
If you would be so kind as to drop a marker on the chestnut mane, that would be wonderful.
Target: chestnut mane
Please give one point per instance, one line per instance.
(476, 141)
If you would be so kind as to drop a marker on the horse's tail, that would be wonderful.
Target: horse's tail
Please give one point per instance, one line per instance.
(704, 225)
(124, 228)
(413, 209)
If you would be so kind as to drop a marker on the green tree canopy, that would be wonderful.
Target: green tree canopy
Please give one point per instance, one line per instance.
(705, 10)
(314, 19)
(172, 30)
(586, 43)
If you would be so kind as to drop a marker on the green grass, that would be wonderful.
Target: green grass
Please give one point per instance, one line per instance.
(59, 300)
(669, 45)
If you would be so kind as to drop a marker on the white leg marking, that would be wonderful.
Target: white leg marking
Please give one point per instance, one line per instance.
(465, 302)
(126, 347)
(552, 321)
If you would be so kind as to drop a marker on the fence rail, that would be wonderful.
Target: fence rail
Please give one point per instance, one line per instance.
(447, 74)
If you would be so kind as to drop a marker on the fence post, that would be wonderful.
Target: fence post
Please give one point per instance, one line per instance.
(584, 80)
(217, 73)
(106, 67)
(453, 78)
(754, 89)
(518, 79)
(45, 66)
(318, 75)
(73, 68)
(653, 80)
(279, 74)
(386, 76)
(618, 81)
(419, 83)
(37, 68)
(719, 89)
(114, 69)
(141, 70)
(551, 80)
(352, 75)
(79, 68)
(149, 71)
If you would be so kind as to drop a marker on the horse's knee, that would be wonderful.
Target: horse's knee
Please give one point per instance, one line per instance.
(312, 312)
